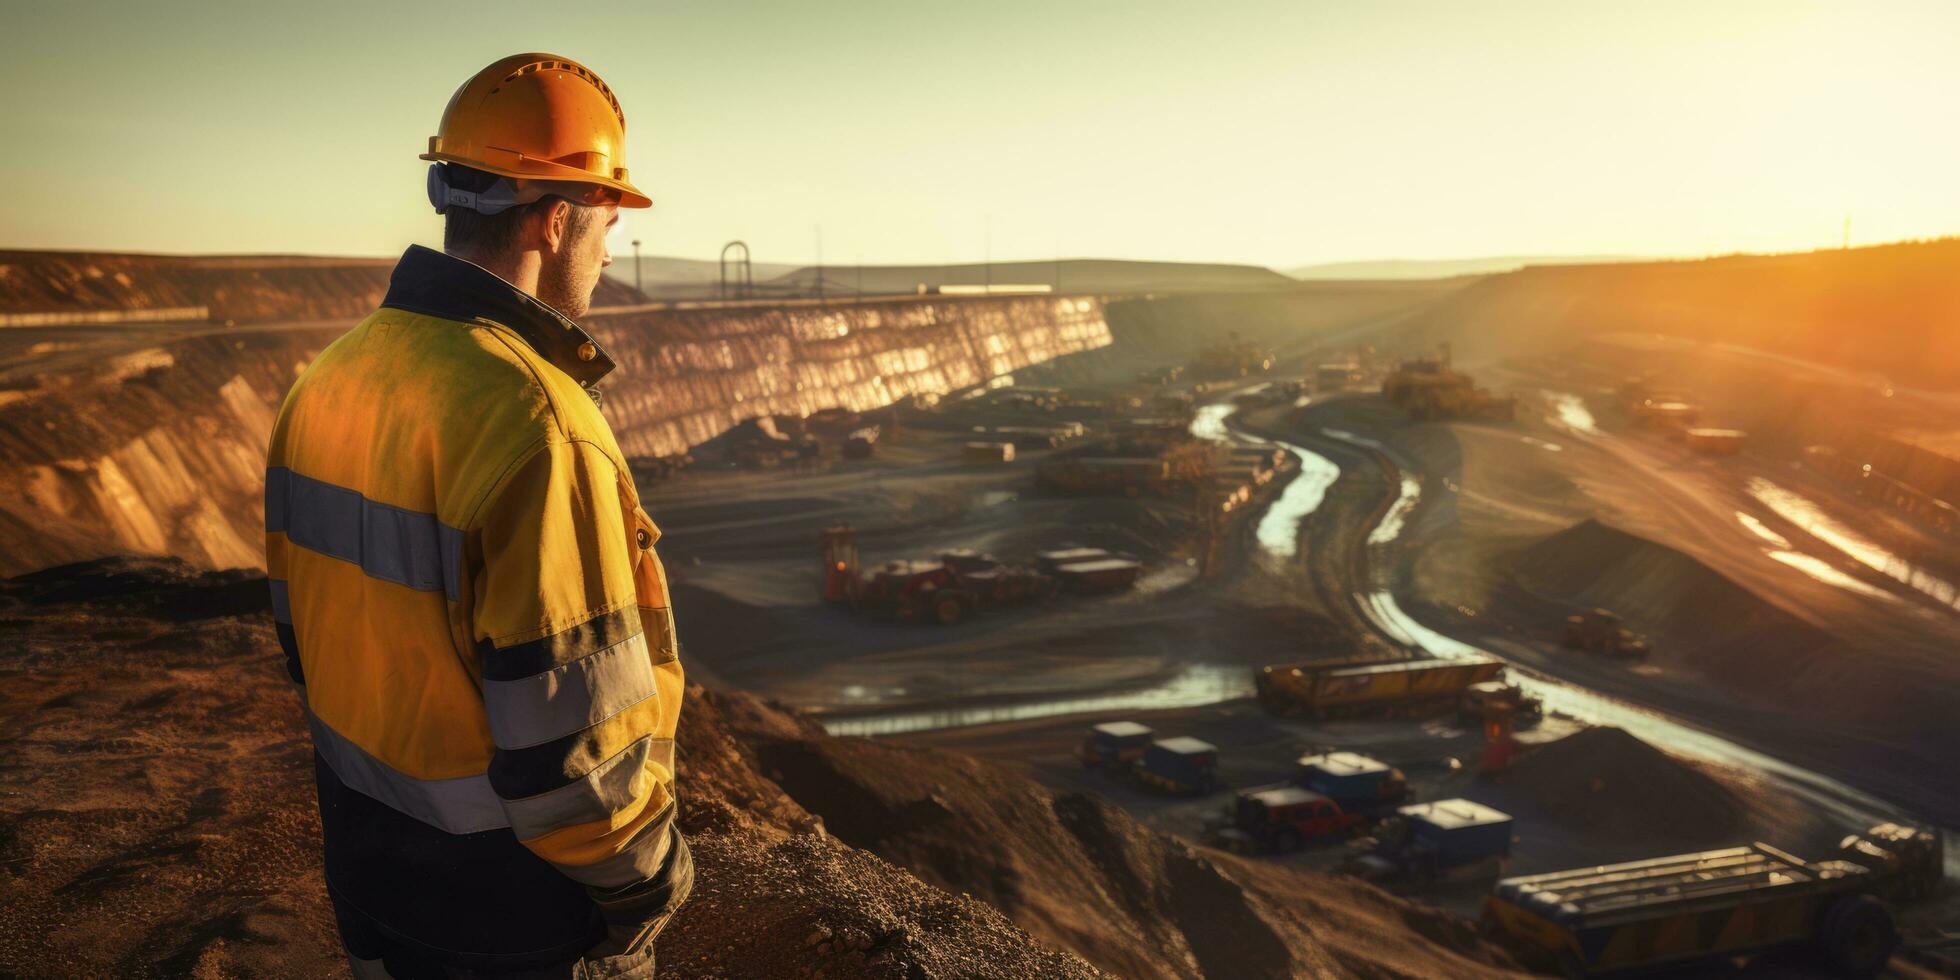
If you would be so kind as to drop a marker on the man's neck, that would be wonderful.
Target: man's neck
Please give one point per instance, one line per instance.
(520, 270)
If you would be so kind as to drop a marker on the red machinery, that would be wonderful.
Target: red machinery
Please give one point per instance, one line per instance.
(944, 591)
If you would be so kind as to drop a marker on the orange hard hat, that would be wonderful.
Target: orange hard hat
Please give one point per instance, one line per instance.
(538, 117)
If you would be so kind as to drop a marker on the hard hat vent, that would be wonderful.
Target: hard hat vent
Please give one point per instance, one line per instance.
(576, 69)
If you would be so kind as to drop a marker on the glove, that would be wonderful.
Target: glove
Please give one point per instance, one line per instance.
(634, 915)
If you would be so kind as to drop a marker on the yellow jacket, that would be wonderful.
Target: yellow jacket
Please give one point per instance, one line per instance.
(466, 589)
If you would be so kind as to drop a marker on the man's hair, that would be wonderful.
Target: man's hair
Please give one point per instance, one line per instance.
(470, 232)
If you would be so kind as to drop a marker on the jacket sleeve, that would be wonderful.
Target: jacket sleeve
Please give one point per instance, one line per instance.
(580, 709)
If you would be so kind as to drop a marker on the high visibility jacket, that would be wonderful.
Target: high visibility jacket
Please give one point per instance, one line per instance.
(466, 589)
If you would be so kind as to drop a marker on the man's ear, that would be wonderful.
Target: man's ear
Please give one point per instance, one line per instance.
(557, 225)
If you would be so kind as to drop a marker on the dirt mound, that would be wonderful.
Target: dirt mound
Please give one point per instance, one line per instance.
(1693, 613)
(1618, 787)
(1883, 309)
(1082, 874)
(157, 814)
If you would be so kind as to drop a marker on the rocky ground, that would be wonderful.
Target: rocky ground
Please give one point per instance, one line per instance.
(156, 819)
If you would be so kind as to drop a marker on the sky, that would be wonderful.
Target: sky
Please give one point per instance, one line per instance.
(1279, 133)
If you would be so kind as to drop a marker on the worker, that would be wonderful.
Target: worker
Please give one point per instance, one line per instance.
(464, 581)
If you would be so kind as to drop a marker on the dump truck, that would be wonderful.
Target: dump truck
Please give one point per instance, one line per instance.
(1355, 686)
(1600, 631)
(1050, 560)
(1278, 819)
(1719, 904)
(1907, 863)
(1181, 766)
(1428, 390)
(1426, 841)
(1098, 576)
(986, 453)
(861, 442)
(1359, 784)
(944, 591)
(1481, 700)
(1113, 746)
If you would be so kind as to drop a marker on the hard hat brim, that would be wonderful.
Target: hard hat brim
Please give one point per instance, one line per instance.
(629, 196)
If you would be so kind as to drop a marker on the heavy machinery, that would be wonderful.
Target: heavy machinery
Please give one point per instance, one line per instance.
(1726, 903)
(944, 591)
(986, 453)
(1600, 631)
(1098, 576)
(1356, 686)
(1907, 863)
(1113, 746)
(1280, 818)
(1426, 841)
(1359, 784)
(1134, 467)
(1181, 766)
(1481, 700)
(1428, 389)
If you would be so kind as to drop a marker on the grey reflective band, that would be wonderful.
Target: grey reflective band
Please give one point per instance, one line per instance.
(406, 547)
(640, 860)
(462, 805)
(282, 602)
(570, 698)
(607, 789)
(501, 196)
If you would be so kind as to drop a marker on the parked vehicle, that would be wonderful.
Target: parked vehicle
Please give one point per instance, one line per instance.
(1719, 904)
(1346, 687)
(1113, 745)
(1426, 841)
(1358, 783)
(1182, 766)
(1278, 819)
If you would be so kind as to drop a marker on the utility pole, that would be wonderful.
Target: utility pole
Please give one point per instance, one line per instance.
(990, 253)
(1847, 229)
(819, 231)
(638, 286)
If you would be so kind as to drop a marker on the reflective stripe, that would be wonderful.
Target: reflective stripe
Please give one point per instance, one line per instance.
(407, 547)
(282, 601)
(639, 861)
(558, 702)
(463, 805)
(616, 783)
(516, 662)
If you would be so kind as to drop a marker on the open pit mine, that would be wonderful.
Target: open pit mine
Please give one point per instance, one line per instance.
(1572, 620)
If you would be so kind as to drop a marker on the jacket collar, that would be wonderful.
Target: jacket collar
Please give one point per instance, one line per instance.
(441, 285)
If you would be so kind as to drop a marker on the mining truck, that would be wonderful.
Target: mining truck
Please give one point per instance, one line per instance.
(945, 591)
(1708, 905)
(1600, 631)
(1428, 390)
(1182, 766)
(1113, 746)
(1907, 863)
(1359, 784)
(1423, 842)
(1369, 687)
(1278, 819)
(1486, 698)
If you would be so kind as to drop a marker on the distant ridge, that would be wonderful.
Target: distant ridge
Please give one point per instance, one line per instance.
(1445, 268)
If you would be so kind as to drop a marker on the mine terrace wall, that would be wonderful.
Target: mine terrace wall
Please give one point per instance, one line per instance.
(158, 448)
(686, 375)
